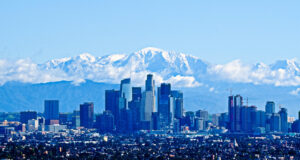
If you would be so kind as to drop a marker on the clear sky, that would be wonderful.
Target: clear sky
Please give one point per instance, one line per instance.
(216, 31)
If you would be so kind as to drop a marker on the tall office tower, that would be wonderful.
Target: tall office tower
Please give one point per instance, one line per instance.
(87, 115)
(270, 107)
(150, 83)
(165, 105)
(244, 119)
(76, 119)
(112, 104)
(27, 115)
(126, 90)
(51, 112)
(252, 112)
(268, 122)
(135, 107)
(275, 123)
(261, 119)
(238, 103)
(284, 120)
(105, 122)
(178, 104)
(231, 114)
(148, 99)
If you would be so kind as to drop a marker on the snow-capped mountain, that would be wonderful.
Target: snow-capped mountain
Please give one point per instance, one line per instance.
(167, 66)
(180, 69)
(205, 85)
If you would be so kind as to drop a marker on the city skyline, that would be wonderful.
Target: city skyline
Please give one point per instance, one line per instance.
(150, 79)
(130, 112)
(131, 109)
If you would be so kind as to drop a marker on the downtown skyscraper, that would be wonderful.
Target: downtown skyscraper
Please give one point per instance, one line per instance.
(87, 115)
(51, 111)
(126, 91)
(165, 105)
(148, 99)
(235, 104)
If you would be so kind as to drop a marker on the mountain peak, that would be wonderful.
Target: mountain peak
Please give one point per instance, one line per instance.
(151, 49)
(87, 57)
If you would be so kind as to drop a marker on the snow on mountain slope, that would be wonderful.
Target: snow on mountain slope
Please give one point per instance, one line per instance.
(177, 68)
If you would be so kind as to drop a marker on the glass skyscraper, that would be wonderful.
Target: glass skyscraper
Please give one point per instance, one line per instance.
(112, 104)
(270, 107)
(51, 111)
(284, 120)
(87, 115)
(165, 104)
(148, 99)
(178, 104)
(234, 108)
(126, 90)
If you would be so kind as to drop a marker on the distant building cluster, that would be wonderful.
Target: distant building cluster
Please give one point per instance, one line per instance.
(247, 119)
(131, 109)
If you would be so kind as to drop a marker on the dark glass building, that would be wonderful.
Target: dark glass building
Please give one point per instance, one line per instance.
(178, 104)
(105, 122)
(87, 115)
(284, 120)
(135, 107)
(234, 109)
(76, 119)
(270, 107)
(51, 111)
(27, 115)
(231, 114)
(275, 123)
(165, 104)
(112, 104)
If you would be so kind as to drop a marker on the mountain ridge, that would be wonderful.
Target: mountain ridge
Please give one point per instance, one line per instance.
(176, 68)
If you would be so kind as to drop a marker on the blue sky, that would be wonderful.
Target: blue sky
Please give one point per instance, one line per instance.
(216, 31)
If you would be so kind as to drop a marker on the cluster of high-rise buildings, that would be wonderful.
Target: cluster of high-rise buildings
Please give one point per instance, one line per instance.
(248, 119)
(130, 109)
